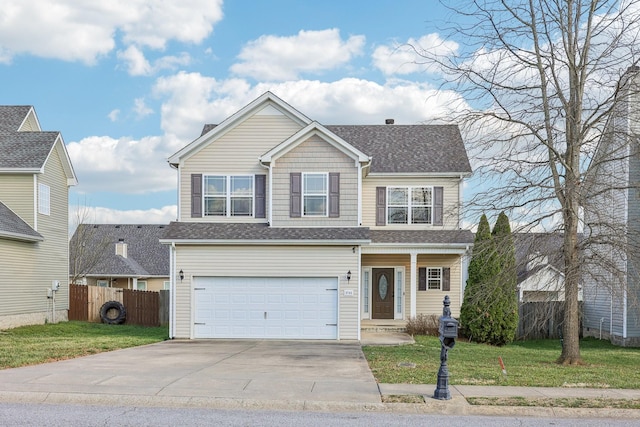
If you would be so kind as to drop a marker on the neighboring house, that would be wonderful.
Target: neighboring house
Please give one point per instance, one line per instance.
(612, 222)
(540, 266)
(291, 229)
(35, 175)
(127, 256)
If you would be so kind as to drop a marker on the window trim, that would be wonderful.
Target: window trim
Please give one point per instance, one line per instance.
(304, 194)
(409, 204)
(44, 199)
(138, 285)
(228, 196)
(424, 287)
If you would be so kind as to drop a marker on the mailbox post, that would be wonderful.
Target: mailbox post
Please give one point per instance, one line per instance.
(448, 331)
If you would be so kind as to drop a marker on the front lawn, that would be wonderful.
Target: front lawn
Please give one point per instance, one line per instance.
(30, 345)
(528, 363)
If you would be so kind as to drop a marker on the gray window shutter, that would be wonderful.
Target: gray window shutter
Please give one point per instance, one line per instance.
(422, 279)
(437, 205)
(295, 194)
(381, 205)
(260, 191)
(334, 195)
(446, 279)
(196, 195)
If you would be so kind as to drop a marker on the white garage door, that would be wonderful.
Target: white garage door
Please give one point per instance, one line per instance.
(271, 307)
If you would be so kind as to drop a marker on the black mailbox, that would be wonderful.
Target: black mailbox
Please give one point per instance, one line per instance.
(449, 328)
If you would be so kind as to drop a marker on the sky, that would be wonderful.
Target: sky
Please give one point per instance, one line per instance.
(130, 82)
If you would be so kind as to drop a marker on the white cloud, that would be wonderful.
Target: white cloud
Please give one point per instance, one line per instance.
(77, 30)
(137, 65)
(191, 100)
(122, 165)
(413, 55)
(113, 115)
(141, 109)
(285, 58)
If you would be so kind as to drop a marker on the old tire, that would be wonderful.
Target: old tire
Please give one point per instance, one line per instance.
(113, 313)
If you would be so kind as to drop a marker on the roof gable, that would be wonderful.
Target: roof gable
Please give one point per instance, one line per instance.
(24, 147)
(314, 129)
(266, 104)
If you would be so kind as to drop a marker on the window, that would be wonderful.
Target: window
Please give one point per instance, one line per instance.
(434, 278)
(141, 285)
(166, 285)
(44, 199)
(314, 194)
(226, 195)
(409, 205)
(102, 283)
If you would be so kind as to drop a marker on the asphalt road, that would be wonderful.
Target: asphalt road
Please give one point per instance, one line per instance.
(48, 415)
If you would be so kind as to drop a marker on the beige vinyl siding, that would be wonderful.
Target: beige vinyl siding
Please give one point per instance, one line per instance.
(269, 261)
(451, 199)
(430, 301)
(235, 152)
(30, 124)
(28, 269)
(315, 155)
(17, 192)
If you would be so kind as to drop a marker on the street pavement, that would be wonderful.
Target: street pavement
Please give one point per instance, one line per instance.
(267, 374)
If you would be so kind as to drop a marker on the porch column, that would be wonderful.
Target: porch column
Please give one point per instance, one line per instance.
(414, 283)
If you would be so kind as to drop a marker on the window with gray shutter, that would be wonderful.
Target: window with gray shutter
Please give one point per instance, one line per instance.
(261, 189)
(196, 195)
(381, 205)
(334, 195)
(446, 279)
(295, 194)
(438, 205)
(422, 279)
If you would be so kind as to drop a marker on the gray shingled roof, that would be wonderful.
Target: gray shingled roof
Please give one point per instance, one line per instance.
(145, 255)
(13, 227)
(22, 150)
(544, 248)
(408, 148)
(232, 231)
(422, 236)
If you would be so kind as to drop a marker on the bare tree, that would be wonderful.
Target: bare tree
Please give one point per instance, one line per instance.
(86, 247)
(541, 79)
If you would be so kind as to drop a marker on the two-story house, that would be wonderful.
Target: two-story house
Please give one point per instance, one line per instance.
(35, 175)
(291, 229)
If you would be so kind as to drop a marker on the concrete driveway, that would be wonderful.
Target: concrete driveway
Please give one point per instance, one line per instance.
(185, 371)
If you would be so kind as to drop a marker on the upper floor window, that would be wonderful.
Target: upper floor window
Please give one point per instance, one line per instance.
(226, 195)
(44, 199)
(409, 205)
(315, 194)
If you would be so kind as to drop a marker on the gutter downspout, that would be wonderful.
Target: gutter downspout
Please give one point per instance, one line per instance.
(268, 167)
(172, 311)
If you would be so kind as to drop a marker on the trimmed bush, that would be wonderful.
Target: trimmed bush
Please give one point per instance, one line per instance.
(423, 324)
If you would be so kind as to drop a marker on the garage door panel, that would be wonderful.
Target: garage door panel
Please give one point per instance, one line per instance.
(247, 307)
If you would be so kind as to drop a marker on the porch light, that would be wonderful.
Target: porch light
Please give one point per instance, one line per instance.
(348, 276)
(181, 274)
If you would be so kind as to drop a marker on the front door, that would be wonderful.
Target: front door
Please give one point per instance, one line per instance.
(382, 291)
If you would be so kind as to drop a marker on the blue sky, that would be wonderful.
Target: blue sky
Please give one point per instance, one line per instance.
(130, 82)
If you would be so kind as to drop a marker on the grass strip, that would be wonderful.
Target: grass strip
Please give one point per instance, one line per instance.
(596, 403)
(30, 345)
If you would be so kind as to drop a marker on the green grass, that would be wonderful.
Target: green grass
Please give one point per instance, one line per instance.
(528, 363)
(556, 402)
(30, 345)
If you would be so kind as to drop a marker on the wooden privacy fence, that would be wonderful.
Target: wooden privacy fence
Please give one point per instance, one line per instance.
(540, 320)
(144, 308)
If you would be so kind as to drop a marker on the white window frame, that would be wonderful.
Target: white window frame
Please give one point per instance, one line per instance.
(166, 285)
(324, 194)
(435, 279)
(44, 199)
(228, 195)
(102, 283)
(409, 205)
(143, 282)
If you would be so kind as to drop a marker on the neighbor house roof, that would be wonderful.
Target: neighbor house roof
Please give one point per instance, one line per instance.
(145, 255)
(13, 227)
(536, 251)
(430, 149)
(256, 233)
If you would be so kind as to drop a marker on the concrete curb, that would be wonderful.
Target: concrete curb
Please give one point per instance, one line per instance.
(457, 405)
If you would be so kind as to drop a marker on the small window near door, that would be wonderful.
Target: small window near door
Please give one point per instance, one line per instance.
(434, 279)
(141, 285)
